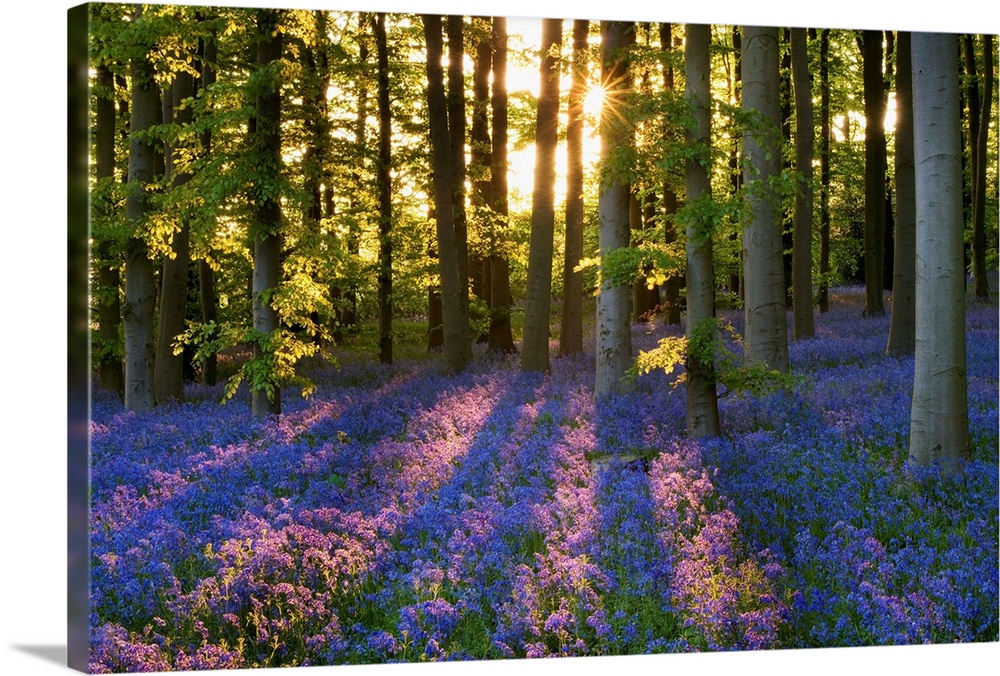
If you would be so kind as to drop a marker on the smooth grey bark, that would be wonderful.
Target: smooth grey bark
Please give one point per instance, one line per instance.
(169, 367)
(538, 296)
(614, 335)
(111, 376)
(501, 337)
(766, 328)
(384, 181)
(571, 327)
(939, 417)
(455, 325)
(803, 325)
(702, 402)
(902, 319)
(266, 229)
(140, 284)
(875, 172)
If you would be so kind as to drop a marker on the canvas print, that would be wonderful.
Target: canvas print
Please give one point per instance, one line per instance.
(419, 338)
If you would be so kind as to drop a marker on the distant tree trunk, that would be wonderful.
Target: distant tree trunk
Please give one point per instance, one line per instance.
(939, 418)
(457, 344)
(875, 170)
(109, 277)
(672, 288)
(766, 330)
(266, 228)
(501, 334)
(802, 238)
(702, 402)
(456, 130)
(206, 275)
(824, 170)
(888, 225)
(347, 293)
(980, 146)
(614, 335)
(736, 285)
(901, 321)
(538, 296)
(785, 105)
(140, 282)
(571, 331)
(169, 367)
(480, 159)
(384, 180)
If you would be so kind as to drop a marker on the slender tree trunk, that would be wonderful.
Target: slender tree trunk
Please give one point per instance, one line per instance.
(206, 275)
(785, 105)
(736, 281)
(702, 402)
(140, 282)
(169, 367)
(571, 331)
(348, 293)
(824, 170)
(480, 158)
(456, 129)
(538, 297)
(672, 288)
(979, 165)
(109, 277)
(939, 418)
(614, 335)
(875, 170)
(457, 345)
(888, 226)
(802, 298)
(901, 321)
(501, 334)
(766, 329)
(384, 180)
(266, 228)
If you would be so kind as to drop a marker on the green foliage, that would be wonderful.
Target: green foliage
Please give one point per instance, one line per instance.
(649, 262)
(709, 339)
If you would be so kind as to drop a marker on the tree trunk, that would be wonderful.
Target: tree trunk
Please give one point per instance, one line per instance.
(456, 130)
(901, 321)
(169, 367)
(140, 282)
(266, 233)
(979, 166)
(824, 170)
(702, 402)
(939, 418)
(571, 330)
(875, 170)
(109, 277)
(206, 275)
(538, 296)
(785, 105)
(672, 314)
(614, 335)
(803, 326)
(480, 159)
(501, 334)
(457, 345)
(384, 180)
(766, 329)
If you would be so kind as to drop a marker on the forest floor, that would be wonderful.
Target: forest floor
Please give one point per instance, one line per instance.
(403, 514)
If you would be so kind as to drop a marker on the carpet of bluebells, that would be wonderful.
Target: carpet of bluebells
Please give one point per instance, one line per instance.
(402, 514)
